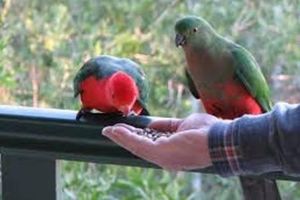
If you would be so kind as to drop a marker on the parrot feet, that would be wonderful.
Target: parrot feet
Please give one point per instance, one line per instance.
(84, 111)
(81, 113)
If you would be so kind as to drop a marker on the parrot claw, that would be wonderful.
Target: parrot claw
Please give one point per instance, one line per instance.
(131, 114)
(80, 113)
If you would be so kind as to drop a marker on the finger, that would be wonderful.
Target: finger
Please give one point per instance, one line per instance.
(129, 127)
(138, 145)
(165, 125)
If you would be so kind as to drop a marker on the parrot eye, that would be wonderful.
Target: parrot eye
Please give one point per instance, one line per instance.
(195, 29)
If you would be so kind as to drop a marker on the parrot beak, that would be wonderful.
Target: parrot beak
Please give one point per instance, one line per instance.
(180, 40)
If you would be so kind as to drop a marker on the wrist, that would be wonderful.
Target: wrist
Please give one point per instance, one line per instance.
(222, 148)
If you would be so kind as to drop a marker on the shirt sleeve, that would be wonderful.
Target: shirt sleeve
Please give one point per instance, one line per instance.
(254, 145)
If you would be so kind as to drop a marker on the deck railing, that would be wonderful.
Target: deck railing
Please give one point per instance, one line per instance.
(32, 139)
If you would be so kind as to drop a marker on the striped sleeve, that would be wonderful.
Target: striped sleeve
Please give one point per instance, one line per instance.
(224, 150)
(254, 145)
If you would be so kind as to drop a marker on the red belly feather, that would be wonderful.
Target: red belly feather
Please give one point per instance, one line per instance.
(235, 101)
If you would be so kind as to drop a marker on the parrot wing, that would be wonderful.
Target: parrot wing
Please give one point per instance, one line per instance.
(249, 73)
(191, 85)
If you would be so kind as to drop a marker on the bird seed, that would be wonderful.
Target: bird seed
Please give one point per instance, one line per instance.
(152, 134)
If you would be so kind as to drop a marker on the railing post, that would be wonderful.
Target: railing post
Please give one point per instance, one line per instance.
(28, 178)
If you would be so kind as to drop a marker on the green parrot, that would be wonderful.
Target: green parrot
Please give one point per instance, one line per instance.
(228, 80)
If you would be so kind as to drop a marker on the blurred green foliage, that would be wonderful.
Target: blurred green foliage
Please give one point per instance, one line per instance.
(43, 44)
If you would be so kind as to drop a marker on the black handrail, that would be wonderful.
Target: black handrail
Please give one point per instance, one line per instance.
(56, 134)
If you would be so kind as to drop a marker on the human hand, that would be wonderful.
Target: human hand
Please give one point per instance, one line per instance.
(185, 149)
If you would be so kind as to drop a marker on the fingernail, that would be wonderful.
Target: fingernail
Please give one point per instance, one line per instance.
(107, 130)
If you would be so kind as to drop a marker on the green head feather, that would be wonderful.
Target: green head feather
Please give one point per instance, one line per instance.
(194, 31)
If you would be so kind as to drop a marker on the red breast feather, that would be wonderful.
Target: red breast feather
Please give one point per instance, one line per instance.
(123, 89)
(110, 94)
(94, 94)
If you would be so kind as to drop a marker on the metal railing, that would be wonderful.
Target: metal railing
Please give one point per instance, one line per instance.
(32, 139)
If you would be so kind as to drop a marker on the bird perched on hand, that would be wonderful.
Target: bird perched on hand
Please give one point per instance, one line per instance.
(226, 77)
(111, 85)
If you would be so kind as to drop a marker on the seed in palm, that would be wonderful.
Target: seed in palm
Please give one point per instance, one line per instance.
(152, 134)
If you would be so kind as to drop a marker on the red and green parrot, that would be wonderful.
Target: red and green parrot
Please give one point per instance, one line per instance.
(111, 85)
(227, 79)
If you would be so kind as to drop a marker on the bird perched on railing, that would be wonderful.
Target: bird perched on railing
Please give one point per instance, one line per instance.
(111, 85)
(227, 79)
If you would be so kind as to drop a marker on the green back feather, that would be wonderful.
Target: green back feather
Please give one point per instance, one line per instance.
(249, 73)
